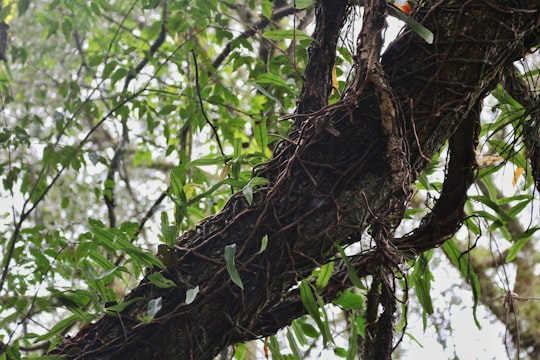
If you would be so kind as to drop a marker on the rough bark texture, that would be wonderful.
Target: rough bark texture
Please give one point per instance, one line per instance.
(334, 177)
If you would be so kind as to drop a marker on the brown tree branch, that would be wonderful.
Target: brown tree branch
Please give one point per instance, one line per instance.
(261, 24)
(325, 185)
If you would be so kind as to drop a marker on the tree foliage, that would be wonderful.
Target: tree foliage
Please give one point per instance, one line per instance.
(183, 176)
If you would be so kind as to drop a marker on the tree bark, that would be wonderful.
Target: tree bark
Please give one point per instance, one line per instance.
(332, 179)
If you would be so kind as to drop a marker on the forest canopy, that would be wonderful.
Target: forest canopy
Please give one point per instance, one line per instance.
(287, 179)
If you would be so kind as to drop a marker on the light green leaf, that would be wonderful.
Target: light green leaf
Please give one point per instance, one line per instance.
(303, 4)
(353, 340)
(311, 305)
(58, 327)
(230, 252)
(281, 34)
(325, 273)
(118, 74)
(211, 160)
(272, 79)
(104, 236)
(168, 232)
(273, 346)
(264, 243)
(100, 260)
(248, 193)
(299, 332)
(260, 134)
(340, 352)
(348, 300)
(515, 249)
(161, 281)
(353, 276)
(267, 6)
(297, 353)
(451, 250)
(191, 294)
(177, 186)
(154, 306)
(121, 306)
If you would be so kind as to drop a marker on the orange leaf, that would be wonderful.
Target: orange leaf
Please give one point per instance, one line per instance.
(517, 174)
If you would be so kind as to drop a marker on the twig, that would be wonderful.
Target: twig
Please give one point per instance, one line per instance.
(198, 87)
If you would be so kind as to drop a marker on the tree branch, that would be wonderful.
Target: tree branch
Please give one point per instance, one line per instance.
(325, 185)
(261, 24)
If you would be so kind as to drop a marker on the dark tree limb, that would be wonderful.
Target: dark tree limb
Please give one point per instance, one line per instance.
(330, 17)
(326, 184)
(448, 213)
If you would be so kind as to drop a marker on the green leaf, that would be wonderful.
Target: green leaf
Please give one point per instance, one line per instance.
(451, 250)
(109, 67)
(353, 276)
(264, 243)
(22, 6)
(121, 306)
(421, 278)
(325, 273)
(303, 4)
(297, 353)
(291, 34)
(177, 185)
(99, 259)
(353, 339)
(273, 346)
(515, 249)
(67, 28)
(309, 330)
(153, 308)
(418, 28)
(519, 241)
(248, 193)
(260, 134)
(104, 236)
(230, 251)
(144, 257)
(267, 6)
(120, 73)
(340, 352)
(272, 79)
(299, 332)
(161, 281)
(58, 327)
(348, 300)
(168, 232)
(167, 109)
(210, 160)
(311, 305)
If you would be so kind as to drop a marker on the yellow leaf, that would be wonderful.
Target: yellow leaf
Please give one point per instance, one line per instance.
(225, 171)
(335, 84)
(517, 174)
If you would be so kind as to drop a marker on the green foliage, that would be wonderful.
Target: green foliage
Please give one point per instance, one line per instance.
(104, 127)
(421, 279)
(229, 253)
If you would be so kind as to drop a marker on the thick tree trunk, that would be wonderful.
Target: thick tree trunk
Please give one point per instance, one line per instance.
(335, 176)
